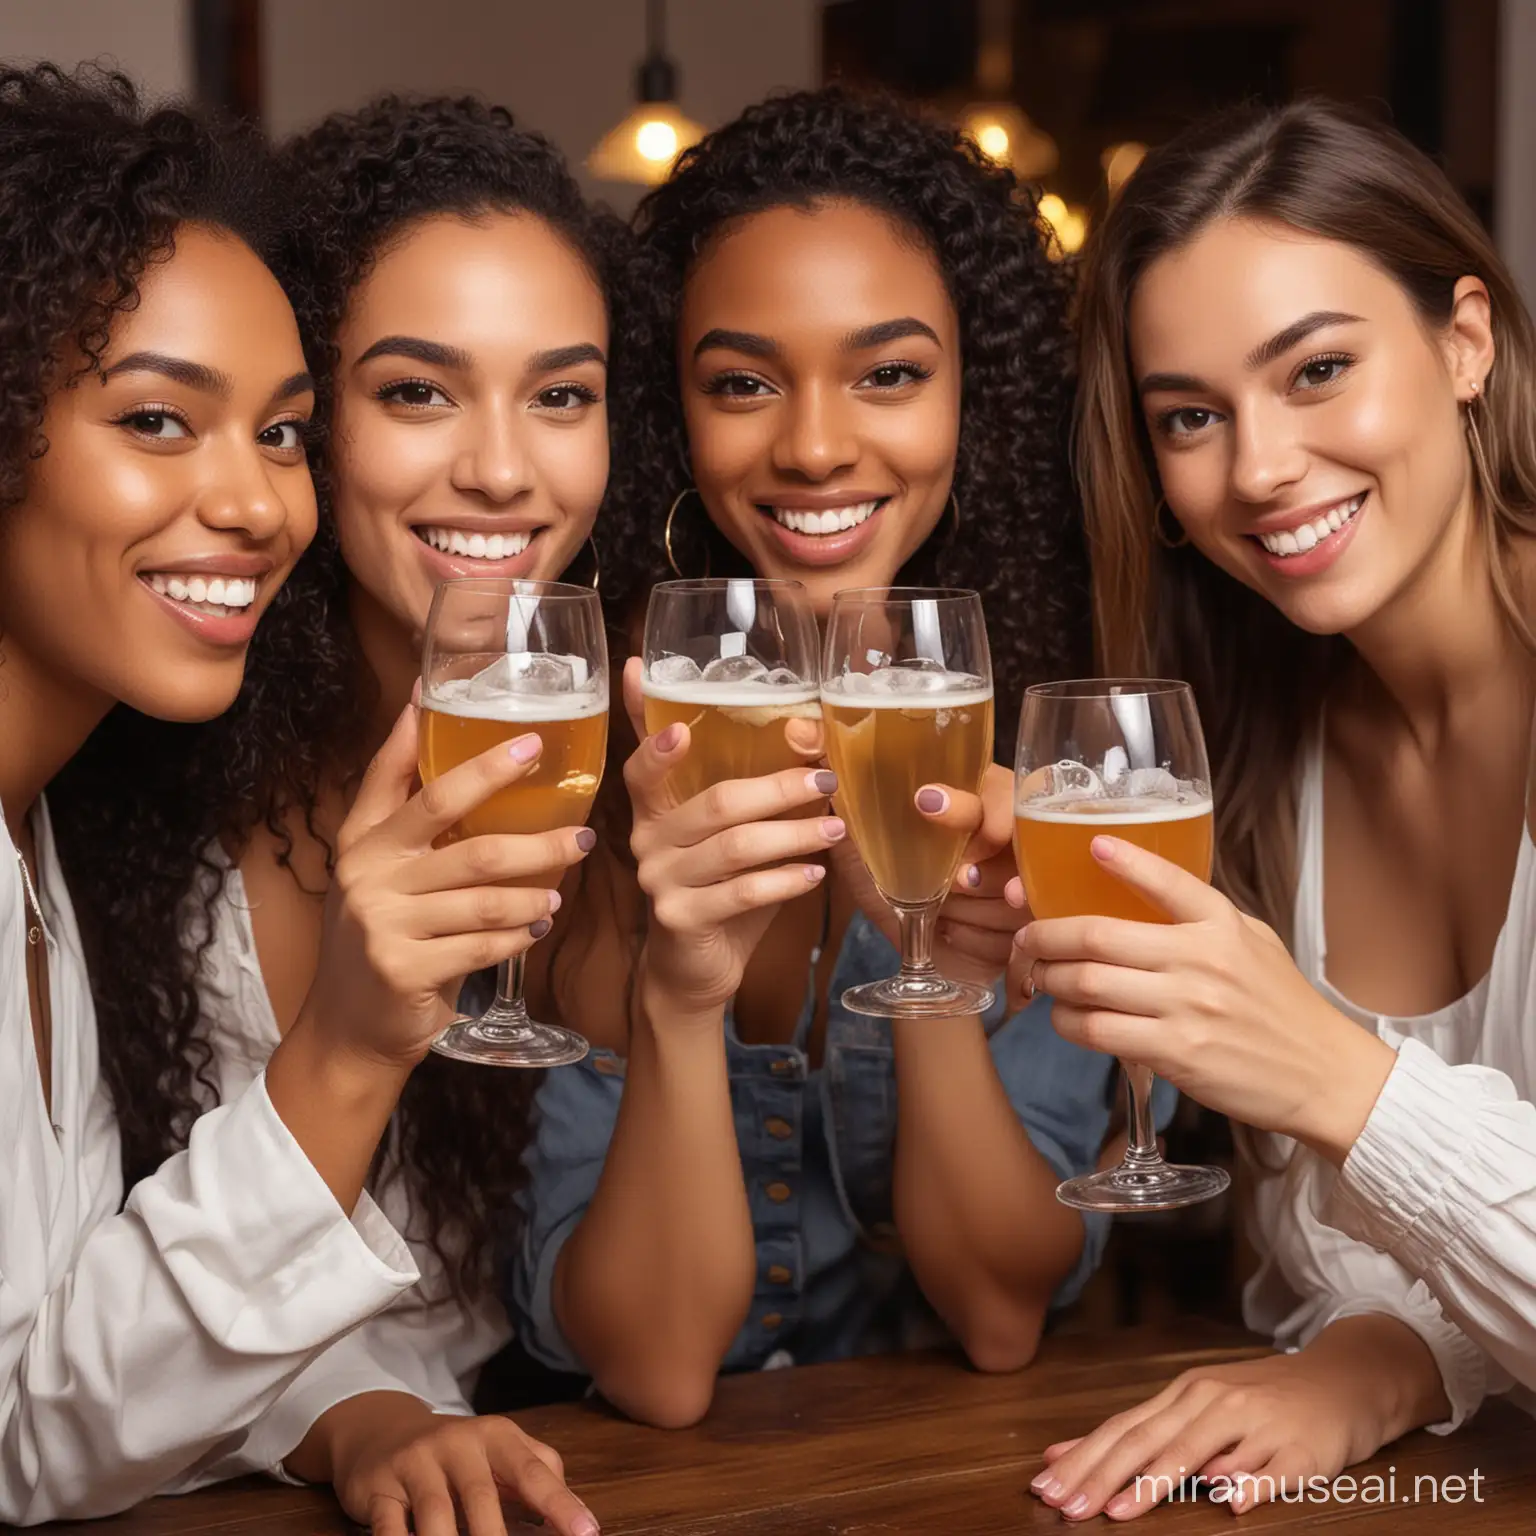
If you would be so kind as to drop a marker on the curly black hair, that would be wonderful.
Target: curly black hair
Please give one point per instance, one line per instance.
(94, 185)
(1020, 544)
(360, 179)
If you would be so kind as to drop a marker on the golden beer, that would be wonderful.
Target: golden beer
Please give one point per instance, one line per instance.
(884, 748)
(736, 731)
(1063, 879)
(559, 791)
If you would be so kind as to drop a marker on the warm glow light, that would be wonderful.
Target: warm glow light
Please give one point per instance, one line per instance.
(657, 140)
(993, 141)
(1068, 226)
(645, 146)
(1007, 137)
(1120, 161)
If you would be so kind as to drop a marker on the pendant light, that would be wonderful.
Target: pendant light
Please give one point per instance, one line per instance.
(644, 147)
(1002, 131)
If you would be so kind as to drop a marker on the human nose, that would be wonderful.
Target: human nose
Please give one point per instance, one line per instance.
(491, 461)
(1267, 454)
(241, 496)
(816, 439)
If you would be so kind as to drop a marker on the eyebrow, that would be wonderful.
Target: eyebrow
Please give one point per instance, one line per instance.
(1262, 355)
(181, 370)
(435, 354)
(294, 384)
(887, 330)
(566, 357)
(737, 341)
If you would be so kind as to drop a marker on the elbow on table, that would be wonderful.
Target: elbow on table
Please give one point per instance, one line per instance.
(671, 1399)
(998, 1342)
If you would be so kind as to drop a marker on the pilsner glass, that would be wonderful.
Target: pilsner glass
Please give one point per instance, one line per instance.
(906, 700)
(1126, 757)
(735, 661)
(502, 658)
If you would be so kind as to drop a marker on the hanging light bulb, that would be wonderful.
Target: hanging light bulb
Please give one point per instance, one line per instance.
(1120, 162)
(1068, 226)
(1002, 131)
(645, 145)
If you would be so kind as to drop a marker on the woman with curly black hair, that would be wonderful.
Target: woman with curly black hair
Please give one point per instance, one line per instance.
(451, 284)
(853, 362)
(153, 496)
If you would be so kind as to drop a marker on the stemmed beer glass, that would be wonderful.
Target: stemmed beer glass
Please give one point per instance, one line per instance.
(503, 657)
(1124, 757)
(735, 660)
(906, 700)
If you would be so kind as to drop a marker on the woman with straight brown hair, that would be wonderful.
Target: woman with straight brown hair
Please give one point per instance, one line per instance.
(1307, 444)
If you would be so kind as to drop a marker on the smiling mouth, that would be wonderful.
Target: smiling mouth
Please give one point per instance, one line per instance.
(1300, 541)
(476, 546)
(823, 523)
(218, 596)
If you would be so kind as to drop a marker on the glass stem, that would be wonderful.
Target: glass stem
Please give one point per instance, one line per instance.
(1142, 1147)
(917, 925)
(509, 1010)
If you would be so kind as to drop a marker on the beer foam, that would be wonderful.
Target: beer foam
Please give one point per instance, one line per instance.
(453, 698)
(1113, 810)
(745, 695)
(920, 701)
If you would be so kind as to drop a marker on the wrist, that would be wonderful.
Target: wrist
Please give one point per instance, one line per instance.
(663, 1009)
(339, 1437)
(1348, 1075)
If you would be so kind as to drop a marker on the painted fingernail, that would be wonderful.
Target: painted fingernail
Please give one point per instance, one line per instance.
(932, 800)
(585, 1525)
(1047, 1487)
(554, 902)
(1073, 1509)
(832, 828)
(1120, 1506)
(669, 738)
(814, 872)
(972, 876)
(586, 839)
(416, 691)
(540, 928)
(1041, 1482)
(525, 748)
(824, 782)
(1104, 848)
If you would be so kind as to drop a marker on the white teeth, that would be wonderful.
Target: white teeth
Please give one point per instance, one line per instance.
(475, 546)
(819, 524)
(1297, 541)
(221, 596)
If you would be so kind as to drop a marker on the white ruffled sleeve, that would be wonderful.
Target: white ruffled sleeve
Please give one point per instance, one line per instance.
(1312, 1274)
(1443, 1178)
(180, 1321)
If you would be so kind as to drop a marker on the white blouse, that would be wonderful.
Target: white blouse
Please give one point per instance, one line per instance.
(1432, 1218)
(426, 1342)
(140, 1347)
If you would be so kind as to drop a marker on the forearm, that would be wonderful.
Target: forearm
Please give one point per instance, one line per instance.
(656, 1280)
(341, 1432)
(975, 1202)
(1386, 1369)
(335, 1104)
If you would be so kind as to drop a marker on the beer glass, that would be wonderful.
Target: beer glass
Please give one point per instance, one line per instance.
(1125, 757)
(906, 700)
(735, 661)
(502, 658)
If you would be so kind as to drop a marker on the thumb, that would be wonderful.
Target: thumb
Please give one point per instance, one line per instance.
(388, 782)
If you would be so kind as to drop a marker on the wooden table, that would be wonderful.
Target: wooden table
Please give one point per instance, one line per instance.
(908, 1445)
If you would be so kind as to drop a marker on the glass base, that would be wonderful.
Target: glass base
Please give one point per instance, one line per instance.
(1154, 1186)
(929, 996)
(491, 1044)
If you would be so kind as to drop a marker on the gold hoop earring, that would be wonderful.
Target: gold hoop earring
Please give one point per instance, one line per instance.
(597, 569)
(1160, 533)
(666, 533)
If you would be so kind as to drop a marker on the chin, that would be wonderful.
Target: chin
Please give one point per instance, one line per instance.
(197, 695)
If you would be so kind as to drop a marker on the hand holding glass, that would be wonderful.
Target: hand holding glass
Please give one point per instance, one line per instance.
(1124, 757)
(502, 658)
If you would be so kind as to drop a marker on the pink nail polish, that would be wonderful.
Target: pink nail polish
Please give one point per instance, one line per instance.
(669, 738)
(1073, 1509)
(525, 748)
(832, 828)
(554, 902)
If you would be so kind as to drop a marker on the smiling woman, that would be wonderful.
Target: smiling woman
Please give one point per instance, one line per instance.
(1301, 348)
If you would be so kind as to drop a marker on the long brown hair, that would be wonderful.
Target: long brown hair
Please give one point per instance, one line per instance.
(1170, 612)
